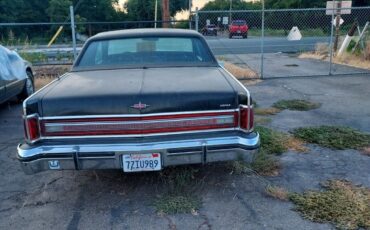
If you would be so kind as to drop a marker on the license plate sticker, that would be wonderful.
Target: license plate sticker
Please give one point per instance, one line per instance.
(142, 162)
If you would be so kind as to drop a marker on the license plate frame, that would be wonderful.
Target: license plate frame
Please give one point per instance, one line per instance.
(141, 162)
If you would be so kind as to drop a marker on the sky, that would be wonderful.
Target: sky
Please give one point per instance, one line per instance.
(196, 3)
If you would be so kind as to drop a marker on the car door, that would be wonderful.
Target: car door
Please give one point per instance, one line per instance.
(2, 89)
(15, 83)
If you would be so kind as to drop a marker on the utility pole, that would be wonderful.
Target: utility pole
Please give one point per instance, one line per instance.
(165, 13)
(337, 24)
(231, 7)
(156, 13)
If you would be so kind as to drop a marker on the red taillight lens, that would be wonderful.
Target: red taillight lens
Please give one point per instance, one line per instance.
(32, 128)
(246, 118)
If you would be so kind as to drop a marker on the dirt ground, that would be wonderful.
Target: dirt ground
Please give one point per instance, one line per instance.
(113, 200)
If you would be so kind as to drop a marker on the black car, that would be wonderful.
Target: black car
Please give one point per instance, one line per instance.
(16, 77)
(210, 30)
(139, 100)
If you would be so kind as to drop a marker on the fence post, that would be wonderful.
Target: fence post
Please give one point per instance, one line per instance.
(73, 32)
(196, 19)
(190, 4)
(262, 37)
(331, 42)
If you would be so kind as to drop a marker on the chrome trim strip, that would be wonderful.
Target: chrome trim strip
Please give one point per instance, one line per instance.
(246, 90)
(140, 122)
(136, 115)
(136, 135)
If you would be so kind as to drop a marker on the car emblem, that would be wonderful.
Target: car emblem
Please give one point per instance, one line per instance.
(140, 106)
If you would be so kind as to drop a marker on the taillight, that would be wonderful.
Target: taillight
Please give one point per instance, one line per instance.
(31, 126)
(246, 118)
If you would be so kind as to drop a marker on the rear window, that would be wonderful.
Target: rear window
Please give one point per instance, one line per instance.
(239, 23)
(146, 52)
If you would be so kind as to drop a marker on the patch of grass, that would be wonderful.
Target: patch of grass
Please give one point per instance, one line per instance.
(277, 192)
(180, 183)
(296, 144)
(272, 142)
(342, 203)
(265, 165)
(173, 204)
(266, 111)
(179, 179)
(36, 57)
(335, 137)
(299, 105)
(239, 167)
(262, 120)
(240, 72)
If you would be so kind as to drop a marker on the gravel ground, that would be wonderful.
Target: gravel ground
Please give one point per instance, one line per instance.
(113, 200)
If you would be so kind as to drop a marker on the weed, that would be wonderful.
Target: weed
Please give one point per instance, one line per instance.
(173, 204)
(265, 165)
(296, 144)
(272, 142)
(342, 203)
(299, 105)
(277, 192)
(240, 72)
(239, 167)
(34, 57)
(266, 111)
(335, 137)
(180, 198)
(179, 179)
(262, 120)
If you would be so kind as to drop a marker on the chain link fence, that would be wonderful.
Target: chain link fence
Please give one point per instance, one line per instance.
(288, 42)
(278, 43)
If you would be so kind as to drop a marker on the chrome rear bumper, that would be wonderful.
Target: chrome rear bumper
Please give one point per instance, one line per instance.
(109, 156)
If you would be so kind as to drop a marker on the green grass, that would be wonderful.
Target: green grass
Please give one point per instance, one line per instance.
(299, 105)
(284, 33)
(180, 183)
(272, 142)
(335, 137)
(33, 57)
(173, 204)
(265, 165)
(343, 204)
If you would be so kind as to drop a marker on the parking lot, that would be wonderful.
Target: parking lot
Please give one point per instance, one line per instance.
(113, 200)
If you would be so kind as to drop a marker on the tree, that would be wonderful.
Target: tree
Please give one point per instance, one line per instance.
(143, 10)
(236, 5)
(97, 10)
(58, 10)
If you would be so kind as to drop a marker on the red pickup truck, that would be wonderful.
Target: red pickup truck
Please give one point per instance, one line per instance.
(238, 28)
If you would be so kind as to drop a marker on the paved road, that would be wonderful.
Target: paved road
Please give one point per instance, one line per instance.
(221, 46)
(113, 200)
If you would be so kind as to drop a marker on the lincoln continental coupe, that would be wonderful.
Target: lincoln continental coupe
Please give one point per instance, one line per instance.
(139, 100)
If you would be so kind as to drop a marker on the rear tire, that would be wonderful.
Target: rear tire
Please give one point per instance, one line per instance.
(230, 35)
(29, 86)
(245, 35)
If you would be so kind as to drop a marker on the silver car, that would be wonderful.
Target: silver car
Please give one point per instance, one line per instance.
(16, 77)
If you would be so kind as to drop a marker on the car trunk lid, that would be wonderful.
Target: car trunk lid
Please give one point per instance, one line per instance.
(139, 91)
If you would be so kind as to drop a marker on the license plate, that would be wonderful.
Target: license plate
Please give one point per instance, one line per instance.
(142, 162)
(238, 31)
